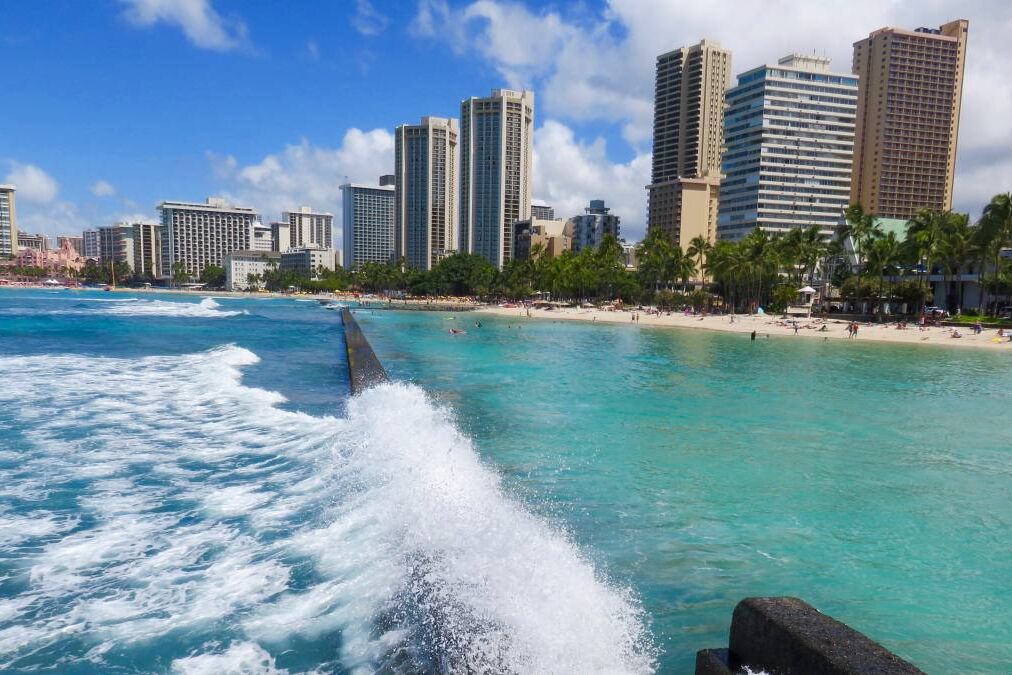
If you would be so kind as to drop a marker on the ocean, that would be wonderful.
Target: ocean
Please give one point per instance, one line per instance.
(186, 486)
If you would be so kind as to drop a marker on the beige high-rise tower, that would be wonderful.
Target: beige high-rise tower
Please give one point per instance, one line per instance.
(425, 191)
(688, 139)
(496, 150)
(911, 85)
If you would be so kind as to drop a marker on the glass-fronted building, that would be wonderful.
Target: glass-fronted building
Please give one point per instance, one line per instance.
(789, 131)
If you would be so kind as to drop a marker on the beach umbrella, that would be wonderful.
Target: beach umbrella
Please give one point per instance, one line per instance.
(806, 289)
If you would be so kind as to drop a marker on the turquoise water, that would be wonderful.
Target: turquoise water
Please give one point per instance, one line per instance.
(186, 487)
(697, 469)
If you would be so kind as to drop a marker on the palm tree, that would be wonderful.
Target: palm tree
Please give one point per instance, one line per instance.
(883, 255)
(859, 228)
(699, 248)
(957, 250)
(995, 231)
(654, 254)
(924, 239)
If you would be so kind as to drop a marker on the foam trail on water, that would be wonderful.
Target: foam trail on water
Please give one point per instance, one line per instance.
(198, 508)
(206, 308)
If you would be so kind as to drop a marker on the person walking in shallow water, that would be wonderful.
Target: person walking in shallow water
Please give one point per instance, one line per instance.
(753, 336)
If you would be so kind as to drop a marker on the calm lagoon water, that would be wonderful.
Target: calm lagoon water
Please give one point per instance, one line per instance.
(186, 487)
(697, 468)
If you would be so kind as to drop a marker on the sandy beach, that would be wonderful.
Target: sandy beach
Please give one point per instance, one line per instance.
(766, 325)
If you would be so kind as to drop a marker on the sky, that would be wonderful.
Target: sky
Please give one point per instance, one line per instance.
(115, 105)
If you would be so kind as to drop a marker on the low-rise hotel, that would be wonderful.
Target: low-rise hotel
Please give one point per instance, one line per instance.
(245, 270)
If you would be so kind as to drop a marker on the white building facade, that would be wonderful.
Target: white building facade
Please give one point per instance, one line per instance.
(196, 235)
(245, 270)
(307, 260)
(308, 228)
(8, 222)
(262, 238)
(367, 223)
(496, 150)
(789, 131)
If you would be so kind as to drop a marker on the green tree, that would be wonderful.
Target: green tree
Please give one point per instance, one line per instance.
(957, 250)
(699, 248)
(179, 273)
(883, 255)
(213, 276)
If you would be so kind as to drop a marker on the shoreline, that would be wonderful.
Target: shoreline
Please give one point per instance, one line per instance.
(764, 325)
(767, 325)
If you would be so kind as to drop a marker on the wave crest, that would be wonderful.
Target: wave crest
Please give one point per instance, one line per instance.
(207, 512)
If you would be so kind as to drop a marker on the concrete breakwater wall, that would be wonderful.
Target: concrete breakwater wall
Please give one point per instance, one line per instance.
(364, 369)
(786, 635)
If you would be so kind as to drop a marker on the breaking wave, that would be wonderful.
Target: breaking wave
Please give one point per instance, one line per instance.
(207, 308)
(161, 496)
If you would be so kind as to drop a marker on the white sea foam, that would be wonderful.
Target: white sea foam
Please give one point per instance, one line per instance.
(206, 308)
(419, 557)
(241, 658)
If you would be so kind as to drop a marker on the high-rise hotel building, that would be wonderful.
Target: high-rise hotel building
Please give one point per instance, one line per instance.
(309, 228)
(789, 131)
(197, 235)
(425, 191)
(496, 150)
(8, 222)
(908, 118)
(92, 244)
(138, 245)
(367, 224)
(688, 140)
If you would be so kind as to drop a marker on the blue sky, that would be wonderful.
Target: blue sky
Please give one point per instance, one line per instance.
(117, 104)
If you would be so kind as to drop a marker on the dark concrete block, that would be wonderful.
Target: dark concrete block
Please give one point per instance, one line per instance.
(786, 636)
(713, 662)
(364, 368)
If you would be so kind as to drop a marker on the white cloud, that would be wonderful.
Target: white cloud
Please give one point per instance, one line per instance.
(568, 174)
(103, 188)
(33, 184)
(133, 217)
(367, 20)
(599, 66)
(199, 21)
(305, 174)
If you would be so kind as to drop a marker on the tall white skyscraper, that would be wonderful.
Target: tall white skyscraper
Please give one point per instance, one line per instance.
(367, 223)
(496, 150)
(197, 235)
(425, 201)
(789, 130)
(8, 222)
